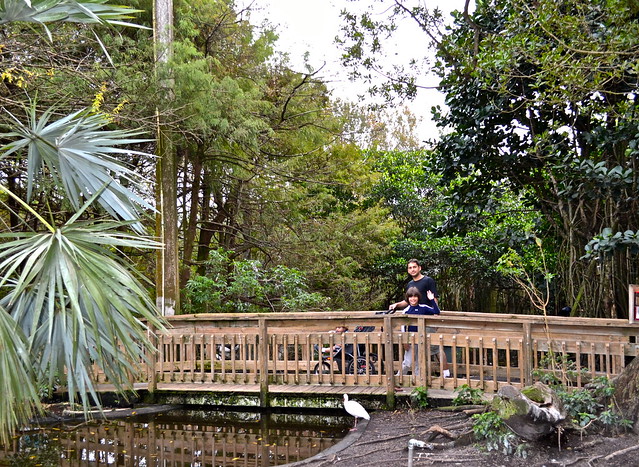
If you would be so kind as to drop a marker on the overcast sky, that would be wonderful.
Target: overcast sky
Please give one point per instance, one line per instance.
(311, 26)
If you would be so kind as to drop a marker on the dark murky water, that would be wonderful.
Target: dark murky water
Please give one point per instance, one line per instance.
(198, 438)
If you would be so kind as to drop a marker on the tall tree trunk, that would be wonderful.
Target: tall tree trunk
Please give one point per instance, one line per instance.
(167, 276)
(206, 228)
(190, 227)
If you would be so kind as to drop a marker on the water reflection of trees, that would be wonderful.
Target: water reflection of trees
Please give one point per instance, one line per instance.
(202, 439)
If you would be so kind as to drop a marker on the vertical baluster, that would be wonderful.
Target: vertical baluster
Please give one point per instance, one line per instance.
(173, 362)
(285, 347)
(233, 345)
(578, 362)
(244, 356)
(467, 353)
(508, 366)
(298, 356)
(453, 364)
(482, 383)
(496, 365)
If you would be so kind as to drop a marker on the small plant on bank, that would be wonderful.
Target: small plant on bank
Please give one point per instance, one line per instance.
(490, 428)
(611, 419)
(585, 407)
(468, 396)
(419, 397)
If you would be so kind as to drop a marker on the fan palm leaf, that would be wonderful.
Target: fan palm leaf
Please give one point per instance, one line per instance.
(78, 154)
(78, 304)
(47, 11)
(19, 399)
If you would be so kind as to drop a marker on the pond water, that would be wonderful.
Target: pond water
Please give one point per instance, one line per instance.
(185, 437)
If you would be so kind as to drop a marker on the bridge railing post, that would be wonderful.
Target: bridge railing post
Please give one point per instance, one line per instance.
(263, 345)
(389, 368)
(151, 363)
(527, 357)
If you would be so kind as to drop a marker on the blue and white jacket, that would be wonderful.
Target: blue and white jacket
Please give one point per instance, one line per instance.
(420, 309)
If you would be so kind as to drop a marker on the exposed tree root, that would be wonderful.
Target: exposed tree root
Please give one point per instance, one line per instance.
(462, 408)
(437, 430)
(375, 441)
(474, 411)
(621, 452)
(366, 454)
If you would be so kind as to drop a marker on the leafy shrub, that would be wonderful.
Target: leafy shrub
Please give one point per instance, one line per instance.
(580, 405)
(585, 406)
(419, 397)
(468, 396)
(245, 286)
(610, 418)
(489, 427)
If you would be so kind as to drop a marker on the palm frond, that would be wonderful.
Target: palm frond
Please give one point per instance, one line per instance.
(19, 400)
(47, 11)
(77, 303)
(79, 156)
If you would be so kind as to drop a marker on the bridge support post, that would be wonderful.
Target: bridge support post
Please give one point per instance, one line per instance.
(388, 362)
(263, 355)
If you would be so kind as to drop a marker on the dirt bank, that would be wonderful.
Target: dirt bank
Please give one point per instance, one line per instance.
(384, 442)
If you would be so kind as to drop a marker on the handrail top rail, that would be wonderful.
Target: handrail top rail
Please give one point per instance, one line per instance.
(446, 315)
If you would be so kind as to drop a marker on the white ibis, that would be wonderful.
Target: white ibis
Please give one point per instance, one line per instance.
(356, 410)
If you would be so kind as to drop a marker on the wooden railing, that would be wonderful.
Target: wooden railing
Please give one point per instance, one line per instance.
(484, 351)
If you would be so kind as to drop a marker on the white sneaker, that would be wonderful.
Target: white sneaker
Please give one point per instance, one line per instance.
(446, 373)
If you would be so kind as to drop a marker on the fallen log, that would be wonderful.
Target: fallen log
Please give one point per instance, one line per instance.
(531, 413)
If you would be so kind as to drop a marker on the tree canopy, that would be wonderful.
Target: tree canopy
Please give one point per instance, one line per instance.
(541, 103)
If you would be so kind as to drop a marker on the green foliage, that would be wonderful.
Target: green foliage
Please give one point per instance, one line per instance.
(491, 429)
(271, 177)
(580, 405)
(48, 11)
(532, 273)
(467, 395)
(70, 300)
(20, 399)
(419, 397)
(557, 369)
(248, 288)
(611, 418)
(507, 102)
(585, 406)
(77, 151)
(408, 187)
(460, 247)
(541, 103)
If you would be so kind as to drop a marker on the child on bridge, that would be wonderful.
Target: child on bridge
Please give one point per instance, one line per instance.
(413, 298)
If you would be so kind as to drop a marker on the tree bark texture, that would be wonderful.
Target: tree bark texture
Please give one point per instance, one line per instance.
(530, 419)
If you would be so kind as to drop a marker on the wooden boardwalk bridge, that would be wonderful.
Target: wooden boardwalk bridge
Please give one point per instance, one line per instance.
(272, 359)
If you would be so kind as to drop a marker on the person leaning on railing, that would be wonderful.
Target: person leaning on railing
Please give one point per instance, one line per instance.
(419, 280)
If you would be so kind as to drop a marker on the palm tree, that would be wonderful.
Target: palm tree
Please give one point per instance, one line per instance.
(70, 302)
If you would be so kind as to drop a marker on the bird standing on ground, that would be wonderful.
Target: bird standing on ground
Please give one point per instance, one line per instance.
(356, 410)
